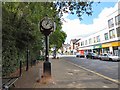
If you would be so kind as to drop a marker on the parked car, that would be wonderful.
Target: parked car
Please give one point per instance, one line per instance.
(58, 55)
(106, 56)
(79, 55)
(92, 55)
(99, 56)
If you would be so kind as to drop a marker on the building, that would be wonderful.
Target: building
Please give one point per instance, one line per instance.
(74, 45)
(106, 40)
(65, 48)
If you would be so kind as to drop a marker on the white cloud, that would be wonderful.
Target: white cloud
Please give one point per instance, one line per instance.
(74, 28)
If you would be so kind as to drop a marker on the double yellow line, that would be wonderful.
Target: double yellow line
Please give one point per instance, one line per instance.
(110, 79)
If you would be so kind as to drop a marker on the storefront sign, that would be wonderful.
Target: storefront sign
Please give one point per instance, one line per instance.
(115, 43)
(86, 48)
(106, 45)
(111, 44)
(97, 46)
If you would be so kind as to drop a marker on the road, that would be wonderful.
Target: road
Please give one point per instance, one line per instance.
(106, 68)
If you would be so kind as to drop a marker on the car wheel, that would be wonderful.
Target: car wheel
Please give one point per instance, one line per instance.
(110, 59)
(87, 57)
(101, 59)
(92, 57)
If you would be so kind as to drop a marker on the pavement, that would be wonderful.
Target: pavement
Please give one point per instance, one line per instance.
(64, 75)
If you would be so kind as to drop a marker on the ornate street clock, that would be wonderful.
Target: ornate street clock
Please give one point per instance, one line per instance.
(46, 26)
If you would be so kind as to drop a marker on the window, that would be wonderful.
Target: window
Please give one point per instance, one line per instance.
(117, 20)
(106, 36)
(94, 40)
(82, 43)
(85, 42)
(112, 34)
(110, 23)
(90, 41)
(105, 54)
(98, 38)
(118, 32)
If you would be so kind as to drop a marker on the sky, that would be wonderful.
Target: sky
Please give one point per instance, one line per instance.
(74, 28)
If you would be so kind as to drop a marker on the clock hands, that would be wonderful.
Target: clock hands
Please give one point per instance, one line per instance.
(47, 23)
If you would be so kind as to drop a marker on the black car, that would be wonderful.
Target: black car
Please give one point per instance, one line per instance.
(91, 55)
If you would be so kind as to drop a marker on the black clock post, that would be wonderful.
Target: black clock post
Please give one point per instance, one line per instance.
(47, 26)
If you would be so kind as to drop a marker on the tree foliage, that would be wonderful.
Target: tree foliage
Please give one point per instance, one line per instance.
(77, 7)
(20, 29)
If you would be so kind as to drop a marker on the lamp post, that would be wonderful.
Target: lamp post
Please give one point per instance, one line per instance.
(47, 26)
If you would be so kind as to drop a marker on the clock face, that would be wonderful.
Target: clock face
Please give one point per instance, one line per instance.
(47, 23)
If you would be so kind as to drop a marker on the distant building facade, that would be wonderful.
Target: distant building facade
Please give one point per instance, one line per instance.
(74, 45)
(66, 48)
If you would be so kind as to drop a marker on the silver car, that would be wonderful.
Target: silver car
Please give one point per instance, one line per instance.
(107, 56)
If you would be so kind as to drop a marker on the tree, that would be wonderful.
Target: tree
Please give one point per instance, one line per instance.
(57, 38)
(77, 7)
(20, 31)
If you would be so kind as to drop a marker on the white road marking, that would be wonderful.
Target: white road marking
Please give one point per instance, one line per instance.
(106, 87)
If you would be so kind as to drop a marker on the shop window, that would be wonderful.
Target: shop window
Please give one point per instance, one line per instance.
(106, 36)
(110, 23)
(117, 20)
(112, 34)
(118, 32)
(115, 51)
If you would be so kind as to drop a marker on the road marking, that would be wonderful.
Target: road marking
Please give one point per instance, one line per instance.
(110, 79)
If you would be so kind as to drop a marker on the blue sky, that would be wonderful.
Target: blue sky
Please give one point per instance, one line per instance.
(97, 8)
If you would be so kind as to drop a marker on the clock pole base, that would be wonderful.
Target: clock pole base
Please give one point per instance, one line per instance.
(47, 69)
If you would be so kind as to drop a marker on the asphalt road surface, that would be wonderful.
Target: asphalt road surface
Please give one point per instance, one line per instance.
(106, 68)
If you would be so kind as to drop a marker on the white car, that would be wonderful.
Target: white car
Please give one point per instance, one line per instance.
(77, 54)
(107, 56)
(58, 55)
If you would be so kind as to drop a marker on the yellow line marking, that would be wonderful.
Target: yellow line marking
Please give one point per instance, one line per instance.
(113, 80)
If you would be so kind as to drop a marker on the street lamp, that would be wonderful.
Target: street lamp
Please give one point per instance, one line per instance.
(47, 26)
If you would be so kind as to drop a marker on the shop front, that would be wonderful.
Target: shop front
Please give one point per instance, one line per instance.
(85, 50)
(97, 48)
(81, 52)
(116, 46)
(111, 48)
(119, 51)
